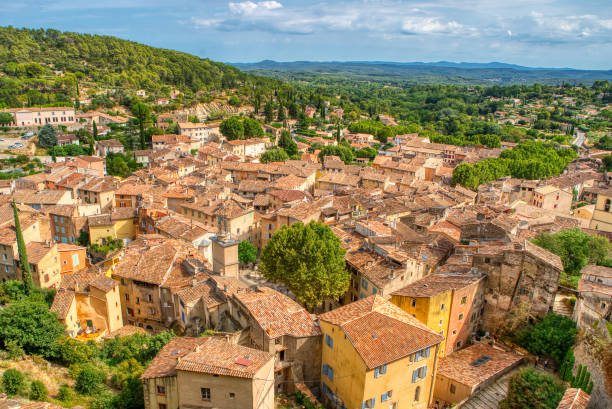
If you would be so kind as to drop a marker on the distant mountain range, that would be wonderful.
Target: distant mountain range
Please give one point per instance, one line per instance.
(422, 72)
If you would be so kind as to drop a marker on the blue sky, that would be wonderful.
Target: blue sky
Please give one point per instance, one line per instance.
(542, 33)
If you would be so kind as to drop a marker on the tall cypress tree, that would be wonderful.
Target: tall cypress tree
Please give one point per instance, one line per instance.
(94, 130)
(23, 255)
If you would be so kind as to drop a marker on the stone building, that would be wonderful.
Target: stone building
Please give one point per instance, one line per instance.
(280, 326)
(594, 301)
(209, 373)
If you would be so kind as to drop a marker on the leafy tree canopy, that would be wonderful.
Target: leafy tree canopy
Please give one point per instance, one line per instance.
(309, 260)
(47, 137)
(274, 155)
(232, 128)
(31, 325)
(531, 389)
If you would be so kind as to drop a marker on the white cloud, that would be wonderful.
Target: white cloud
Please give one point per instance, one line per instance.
(430, 25)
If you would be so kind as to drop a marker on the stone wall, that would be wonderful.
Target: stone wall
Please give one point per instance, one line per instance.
(595, 352)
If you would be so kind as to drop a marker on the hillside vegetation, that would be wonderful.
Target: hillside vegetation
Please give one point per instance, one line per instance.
(43, 66)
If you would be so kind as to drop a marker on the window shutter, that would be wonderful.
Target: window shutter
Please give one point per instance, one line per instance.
(427, 352)
(424, 371)
(324, 369)
(363, 405)
(331, 374)
(384, 369)
(376, 372)
(331, 342)
(373, 401)
(414, 376)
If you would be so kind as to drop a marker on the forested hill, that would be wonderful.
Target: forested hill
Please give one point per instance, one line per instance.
(395, 73)
(38, 59)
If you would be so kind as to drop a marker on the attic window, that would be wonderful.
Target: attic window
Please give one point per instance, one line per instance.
(374, 336)
(478, 362)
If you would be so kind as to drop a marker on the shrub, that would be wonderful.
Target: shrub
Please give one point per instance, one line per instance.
(38, 391)
(70, 351)
(531, 389)
(65, 394)
(13, 382)
(553, 337)
(89, 380)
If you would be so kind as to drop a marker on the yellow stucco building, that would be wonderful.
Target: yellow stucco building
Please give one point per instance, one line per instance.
(448, 304)
(120, 224)
(376, 354)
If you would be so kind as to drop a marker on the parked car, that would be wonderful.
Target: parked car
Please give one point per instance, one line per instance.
(1, 139)
(19, 144)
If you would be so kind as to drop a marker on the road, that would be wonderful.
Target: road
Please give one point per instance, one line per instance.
(580, 138)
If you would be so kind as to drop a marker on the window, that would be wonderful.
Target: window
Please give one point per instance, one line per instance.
(442, 307)
(460, 316)
(205, 393)
(608, 203)
(162, 406)
(127, 297)
(417, 393)
(329, 341)
(368, 403)
(440, 323)
(232, 395)
(464, 300)
(161, 390)
(364, 283)
(386, 396)
(149, 298)
(151, 311)
(374, 291)
(380, 371)
(414, 302)
(453, 389)
(329, 371)
(75, 259)
(419, 373)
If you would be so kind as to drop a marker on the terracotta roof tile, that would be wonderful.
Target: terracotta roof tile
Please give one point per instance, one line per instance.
(164, 363)
(574, 398)
(278, 314)
(459, 365)
(219, 357)
(380, 331)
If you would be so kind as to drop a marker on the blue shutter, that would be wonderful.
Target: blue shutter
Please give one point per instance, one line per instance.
(325, 369)
(384, 369)
(424, 371)
(373, 401)
(427, 351)
(363, 405)
(414, 376)
(384, 397)
(330, 375)
(376, 372)
(331, 342)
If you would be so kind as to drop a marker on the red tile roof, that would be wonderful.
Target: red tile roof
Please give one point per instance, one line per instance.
(380, 331)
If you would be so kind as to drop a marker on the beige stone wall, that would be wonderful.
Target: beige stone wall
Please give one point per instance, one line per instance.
(227, 392)
(442, 390)
(152, 399)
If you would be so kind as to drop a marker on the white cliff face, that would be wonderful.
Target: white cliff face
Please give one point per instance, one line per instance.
(204, 110)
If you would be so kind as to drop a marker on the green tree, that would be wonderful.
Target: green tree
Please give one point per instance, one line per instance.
(247, 253)
(309, 260)
(23, 255)
(567, 367)
(288, 144)
(281, 113)
(274, 155)
(32, 325)
(232, 128)
(64, 394)
(143, 113)
(344, 153)
(531, 389)
(607, 162)
(131, 395)
(234, 100)
(252, 128)
(94, 130)
(303, 122)
(89, 380)
(6, 118)
(575, 248)
(13, 382)
(47, 137)
(269, 112)
(552, 337)
(38, 391)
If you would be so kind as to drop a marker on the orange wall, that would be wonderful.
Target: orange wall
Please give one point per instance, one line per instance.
(66, 260)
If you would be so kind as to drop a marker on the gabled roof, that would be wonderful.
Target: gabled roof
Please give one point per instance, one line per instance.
(164, 363)
(218, 357)
(278, 314)
(574, 398)
(380, 331)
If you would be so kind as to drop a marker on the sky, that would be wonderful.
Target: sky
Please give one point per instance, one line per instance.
(535, 33)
